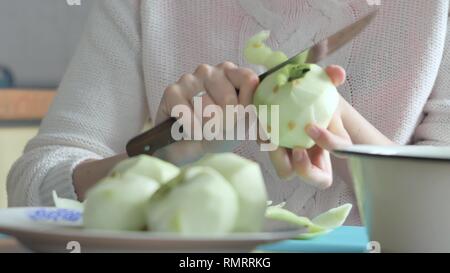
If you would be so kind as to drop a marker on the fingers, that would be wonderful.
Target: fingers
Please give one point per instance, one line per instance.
(336, 74)
(222, 81)
(337, 127)
(314, 164)
(313, 167)
(220, 84)
(175, 104)
(173, 96)
(246, 81)
(217, 85)
(326, 139)
(281, 161)
(191, 86)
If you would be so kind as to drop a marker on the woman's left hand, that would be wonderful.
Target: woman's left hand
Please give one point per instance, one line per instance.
(314, 164)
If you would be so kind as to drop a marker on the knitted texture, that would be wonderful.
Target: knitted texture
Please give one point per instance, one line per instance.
(398, 78)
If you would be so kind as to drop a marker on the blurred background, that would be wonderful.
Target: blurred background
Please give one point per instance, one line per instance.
(37, 41)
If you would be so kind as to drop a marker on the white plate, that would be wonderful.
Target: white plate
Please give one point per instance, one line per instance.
(59, 230)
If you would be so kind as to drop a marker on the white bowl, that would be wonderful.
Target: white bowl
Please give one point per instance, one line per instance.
(403, 195)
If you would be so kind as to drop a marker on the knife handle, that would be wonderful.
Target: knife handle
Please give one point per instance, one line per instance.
(158, 137)
(152, 140)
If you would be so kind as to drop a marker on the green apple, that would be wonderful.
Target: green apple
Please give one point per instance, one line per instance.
(247, 180)
(119, 202)
(304, 93)
(147, 166)
(198, 201)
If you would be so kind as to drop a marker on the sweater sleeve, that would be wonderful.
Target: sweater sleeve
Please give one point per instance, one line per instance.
(435, 126)
(99, 106)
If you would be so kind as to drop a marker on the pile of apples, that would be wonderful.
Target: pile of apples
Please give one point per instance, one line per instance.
(221, 193)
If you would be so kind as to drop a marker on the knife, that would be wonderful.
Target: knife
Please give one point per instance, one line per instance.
(159, 142)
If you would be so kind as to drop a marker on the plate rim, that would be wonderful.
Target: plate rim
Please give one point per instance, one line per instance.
(372, 152)
(104, 234)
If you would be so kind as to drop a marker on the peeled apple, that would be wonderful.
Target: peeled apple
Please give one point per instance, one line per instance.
(147, 166)
(198, 201)
(247, 180)
(304, 93)
(119, 202)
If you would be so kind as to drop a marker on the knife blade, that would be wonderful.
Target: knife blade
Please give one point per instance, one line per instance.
(329, 45)
(159, 142)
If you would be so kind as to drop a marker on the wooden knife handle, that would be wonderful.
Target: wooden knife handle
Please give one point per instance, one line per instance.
(152, 140)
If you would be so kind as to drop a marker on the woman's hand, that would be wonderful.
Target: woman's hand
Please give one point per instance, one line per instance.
(347, 127)
(219, 82)
(314, 164)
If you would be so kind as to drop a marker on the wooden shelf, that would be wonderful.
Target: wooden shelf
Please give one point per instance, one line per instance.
(24, 104)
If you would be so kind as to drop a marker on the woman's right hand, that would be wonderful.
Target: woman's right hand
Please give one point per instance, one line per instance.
(219, 82)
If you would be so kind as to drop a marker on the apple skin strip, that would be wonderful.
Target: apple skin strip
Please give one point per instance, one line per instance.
(320, 225)
(63, 203)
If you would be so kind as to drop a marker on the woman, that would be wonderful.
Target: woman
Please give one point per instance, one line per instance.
(133, 50)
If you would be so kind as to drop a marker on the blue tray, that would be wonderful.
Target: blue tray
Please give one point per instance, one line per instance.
(342, 240)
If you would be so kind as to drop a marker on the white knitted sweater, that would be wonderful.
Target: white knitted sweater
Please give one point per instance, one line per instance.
(398, 78)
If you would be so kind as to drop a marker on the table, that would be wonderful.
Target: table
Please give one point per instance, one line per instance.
(342, 240)
(11, 245)
(346, 239)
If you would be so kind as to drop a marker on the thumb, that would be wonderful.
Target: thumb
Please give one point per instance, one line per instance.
(336, 74)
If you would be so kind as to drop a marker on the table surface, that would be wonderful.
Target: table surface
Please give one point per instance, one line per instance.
(345, 239)
(10, 245)
(342, 240)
